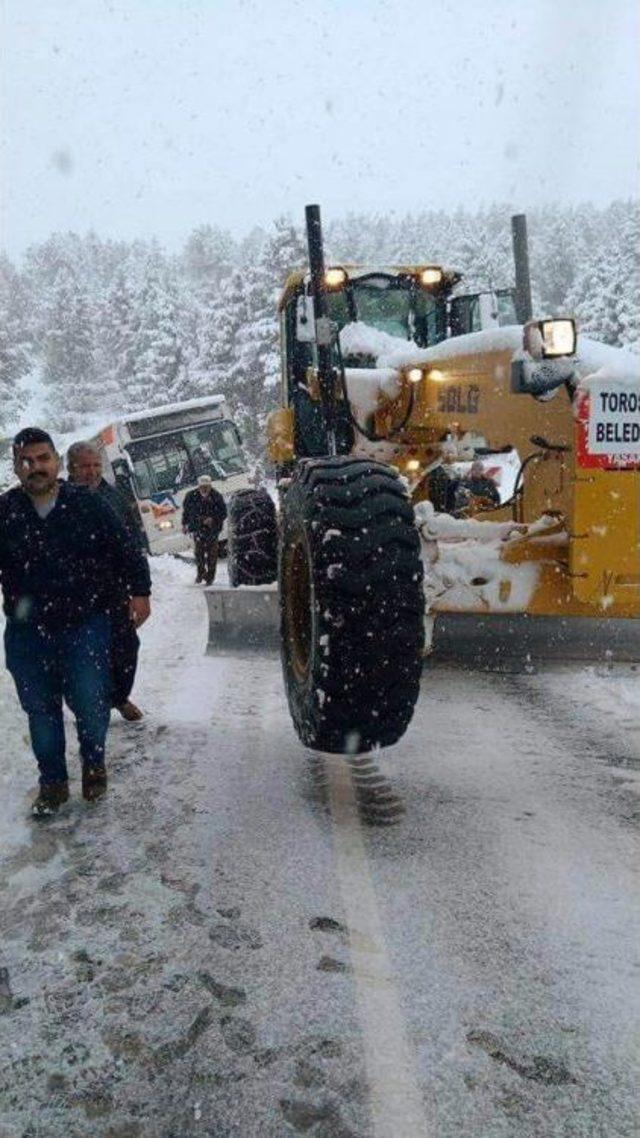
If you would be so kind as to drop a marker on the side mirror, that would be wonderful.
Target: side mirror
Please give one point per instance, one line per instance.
(123, 467)
(305, 320)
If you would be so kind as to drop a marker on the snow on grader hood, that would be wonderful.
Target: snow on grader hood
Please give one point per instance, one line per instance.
(398, 421)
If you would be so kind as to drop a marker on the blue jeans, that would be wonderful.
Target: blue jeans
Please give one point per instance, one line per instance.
(70, 664)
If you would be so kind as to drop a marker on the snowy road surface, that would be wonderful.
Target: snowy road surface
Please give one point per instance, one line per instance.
(220, 948)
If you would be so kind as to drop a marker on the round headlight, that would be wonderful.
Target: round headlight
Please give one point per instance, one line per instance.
(414, 374)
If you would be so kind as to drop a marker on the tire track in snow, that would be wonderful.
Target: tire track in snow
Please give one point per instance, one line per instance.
(396, 1102)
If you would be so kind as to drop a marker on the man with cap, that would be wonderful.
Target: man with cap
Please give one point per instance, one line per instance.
(84, 466)
(203, 515)
(60, 546)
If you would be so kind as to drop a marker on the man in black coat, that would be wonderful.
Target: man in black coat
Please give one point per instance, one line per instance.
(84, 466)
(480, 486)
(203, 515)
(60, 547)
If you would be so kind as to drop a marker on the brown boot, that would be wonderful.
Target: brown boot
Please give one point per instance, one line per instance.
(129, 711)
(94, 782)
(49, 798)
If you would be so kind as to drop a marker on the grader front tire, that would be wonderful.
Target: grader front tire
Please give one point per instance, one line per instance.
(352, 605)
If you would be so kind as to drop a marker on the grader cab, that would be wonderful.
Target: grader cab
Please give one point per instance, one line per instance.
(434, 452)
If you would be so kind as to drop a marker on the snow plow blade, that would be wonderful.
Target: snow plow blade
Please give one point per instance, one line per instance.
(517, 641)
(242, 621)
(245, 621)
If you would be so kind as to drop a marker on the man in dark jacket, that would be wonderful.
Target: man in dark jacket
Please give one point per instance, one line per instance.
(480, 486)
(84, 466)
(59, 547)
(203, 514)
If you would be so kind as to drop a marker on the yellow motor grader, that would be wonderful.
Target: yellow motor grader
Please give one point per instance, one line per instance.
(431, 446)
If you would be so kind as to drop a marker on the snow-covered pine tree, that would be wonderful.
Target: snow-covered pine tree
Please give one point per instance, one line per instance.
(253, 389)
(69, 368)
(481, 249)
(555, 255)
(228, 313)
(14, 340)
(115, 348)
(158, 374)
(209, 256)
(250, 248)
(604, 296)
(627, 225)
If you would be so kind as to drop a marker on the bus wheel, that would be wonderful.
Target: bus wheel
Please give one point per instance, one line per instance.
(252, 538)
(351, 604)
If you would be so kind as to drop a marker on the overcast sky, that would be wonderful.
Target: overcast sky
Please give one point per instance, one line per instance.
(153, 116)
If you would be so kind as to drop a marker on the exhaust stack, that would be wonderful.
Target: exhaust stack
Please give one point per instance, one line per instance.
(322, 322)
(524, 307)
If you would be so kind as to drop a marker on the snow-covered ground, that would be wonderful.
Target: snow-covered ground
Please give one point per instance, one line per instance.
(219, 947)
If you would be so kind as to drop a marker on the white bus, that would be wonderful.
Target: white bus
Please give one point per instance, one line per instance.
(155, 457)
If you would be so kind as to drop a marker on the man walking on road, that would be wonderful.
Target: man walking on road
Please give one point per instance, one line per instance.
(59, 547)
(84, 466)
(203, 515)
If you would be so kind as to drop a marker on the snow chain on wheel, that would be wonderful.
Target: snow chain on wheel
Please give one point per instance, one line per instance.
(351, 603)
(252, 546)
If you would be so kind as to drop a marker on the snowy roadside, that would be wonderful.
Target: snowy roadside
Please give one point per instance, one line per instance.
(158, 977)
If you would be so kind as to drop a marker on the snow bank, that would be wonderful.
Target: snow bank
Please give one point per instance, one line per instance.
(464, 570)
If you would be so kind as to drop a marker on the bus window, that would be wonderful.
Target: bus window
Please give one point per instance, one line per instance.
(215, 449)
(175, 461)
(160, 464)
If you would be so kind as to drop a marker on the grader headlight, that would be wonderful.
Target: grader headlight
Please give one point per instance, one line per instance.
(549, 339)
(417, 374)
(558, 337)
(335, 277)
(430, 276)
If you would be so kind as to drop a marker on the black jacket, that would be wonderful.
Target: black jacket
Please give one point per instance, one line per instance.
(482, 488)
(57, 571)
(120, 506)
(196, 508)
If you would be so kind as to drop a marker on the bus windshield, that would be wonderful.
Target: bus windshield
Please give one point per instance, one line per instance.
(173, 461)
